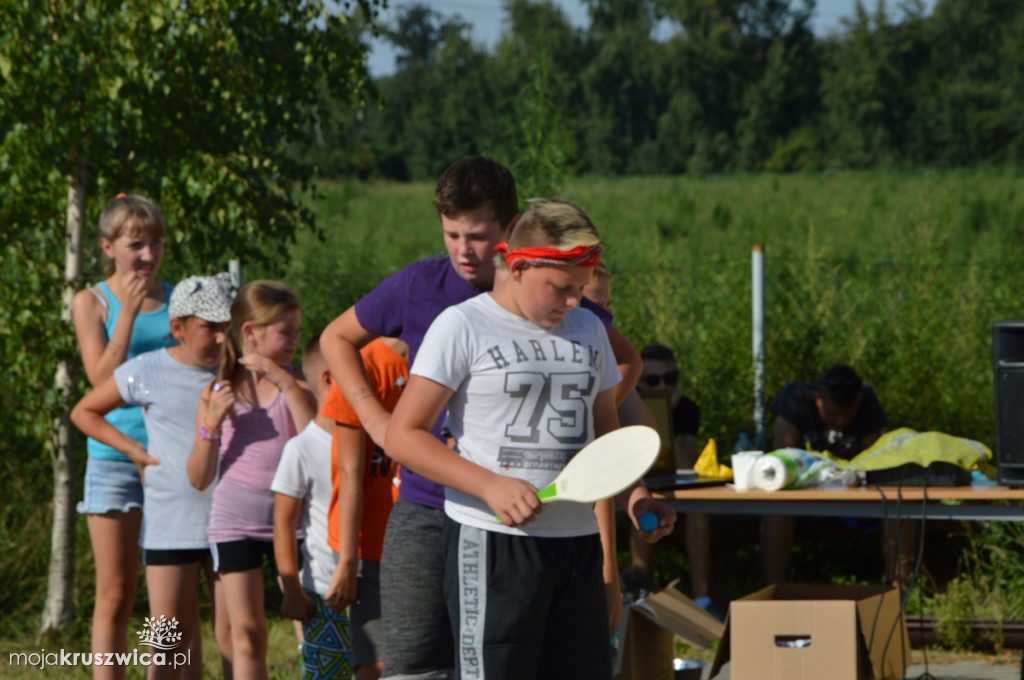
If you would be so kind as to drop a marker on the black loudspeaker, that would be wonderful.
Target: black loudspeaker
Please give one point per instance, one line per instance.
(1008, 365)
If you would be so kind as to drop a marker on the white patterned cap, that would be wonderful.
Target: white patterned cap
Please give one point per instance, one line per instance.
(208, 297)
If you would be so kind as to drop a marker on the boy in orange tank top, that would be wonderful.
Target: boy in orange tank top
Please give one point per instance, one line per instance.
(364, 490)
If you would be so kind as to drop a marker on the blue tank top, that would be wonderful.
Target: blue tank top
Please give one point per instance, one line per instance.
(152, 330)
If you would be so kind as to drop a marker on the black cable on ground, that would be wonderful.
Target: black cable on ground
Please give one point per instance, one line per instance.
(917, 568)
(899, 570)
(899, 567)
(915, 573)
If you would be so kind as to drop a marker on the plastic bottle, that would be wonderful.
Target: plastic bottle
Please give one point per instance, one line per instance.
(743, 443)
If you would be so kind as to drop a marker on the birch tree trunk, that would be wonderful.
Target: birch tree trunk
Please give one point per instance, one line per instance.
(58, 610)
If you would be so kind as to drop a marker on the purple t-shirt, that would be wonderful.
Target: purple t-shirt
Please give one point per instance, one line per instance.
(403, 306)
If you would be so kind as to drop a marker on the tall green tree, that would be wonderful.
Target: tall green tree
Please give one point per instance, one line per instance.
(967, 84)
(188, 103)
(531, 26)
(867, 88)
(622, 97)
(536, 65)
(743, 76)
(438, 105)
(783, 95)
(541, 160)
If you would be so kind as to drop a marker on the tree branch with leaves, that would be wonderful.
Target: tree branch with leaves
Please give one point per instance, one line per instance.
(190, 104)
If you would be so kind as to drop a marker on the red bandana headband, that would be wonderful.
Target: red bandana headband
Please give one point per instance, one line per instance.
(580, 256)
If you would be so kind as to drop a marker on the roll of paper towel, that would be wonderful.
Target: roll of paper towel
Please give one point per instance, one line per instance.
(790, 469)
(771, 473)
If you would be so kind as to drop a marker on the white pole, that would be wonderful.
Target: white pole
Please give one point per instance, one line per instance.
(757, 340)
(235, 272)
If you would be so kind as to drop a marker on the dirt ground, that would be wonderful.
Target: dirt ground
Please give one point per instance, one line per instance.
(933, 663)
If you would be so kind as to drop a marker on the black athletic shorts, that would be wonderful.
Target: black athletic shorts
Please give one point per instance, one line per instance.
(165, 558)
(244, 555)
(525, 606)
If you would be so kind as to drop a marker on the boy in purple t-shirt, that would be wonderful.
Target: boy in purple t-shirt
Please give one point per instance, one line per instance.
(478, 206)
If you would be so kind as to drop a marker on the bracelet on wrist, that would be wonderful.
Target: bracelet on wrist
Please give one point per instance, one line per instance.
(209, 434)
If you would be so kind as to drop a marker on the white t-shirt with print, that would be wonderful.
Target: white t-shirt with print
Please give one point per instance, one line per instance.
(523, 402)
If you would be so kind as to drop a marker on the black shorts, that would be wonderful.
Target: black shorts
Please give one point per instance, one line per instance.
(525, 606)
(166, 558)
(245, 554)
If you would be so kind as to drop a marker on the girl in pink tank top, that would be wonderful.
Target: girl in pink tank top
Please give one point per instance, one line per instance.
(244, 418)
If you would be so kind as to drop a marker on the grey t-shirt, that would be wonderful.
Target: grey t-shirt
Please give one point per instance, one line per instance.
(175, 514)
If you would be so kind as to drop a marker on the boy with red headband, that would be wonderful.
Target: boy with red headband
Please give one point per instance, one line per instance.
(528, 379)
(478, 206)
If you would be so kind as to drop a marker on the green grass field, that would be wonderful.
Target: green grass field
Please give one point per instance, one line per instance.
(899, 273)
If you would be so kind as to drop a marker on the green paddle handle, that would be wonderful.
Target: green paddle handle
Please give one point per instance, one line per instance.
(545, 494)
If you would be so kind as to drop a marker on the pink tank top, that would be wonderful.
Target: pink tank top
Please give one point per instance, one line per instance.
(252, 440)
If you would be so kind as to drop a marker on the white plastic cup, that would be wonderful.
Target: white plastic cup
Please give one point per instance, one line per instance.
(742, 464)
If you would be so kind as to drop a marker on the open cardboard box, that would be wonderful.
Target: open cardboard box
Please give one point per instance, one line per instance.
(645, 639)
(794, 632)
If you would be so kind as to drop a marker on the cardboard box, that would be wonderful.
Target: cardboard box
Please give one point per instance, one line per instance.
(793, 632)
(646, 637)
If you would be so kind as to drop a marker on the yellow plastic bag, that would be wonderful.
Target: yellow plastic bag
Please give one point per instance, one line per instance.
(707, 464)
(924, 448)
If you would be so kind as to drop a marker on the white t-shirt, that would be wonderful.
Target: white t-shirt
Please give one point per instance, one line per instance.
(523, 402)
(305, 472)
(175, 513)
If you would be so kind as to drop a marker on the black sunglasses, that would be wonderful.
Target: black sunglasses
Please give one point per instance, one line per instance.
(655, 379)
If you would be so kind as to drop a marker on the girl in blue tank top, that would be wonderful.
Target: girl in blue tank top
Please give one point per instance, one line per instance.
(121, 317)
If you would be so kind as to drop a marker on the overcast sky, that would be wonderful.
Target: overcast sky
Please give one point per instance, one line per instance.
(485, 17)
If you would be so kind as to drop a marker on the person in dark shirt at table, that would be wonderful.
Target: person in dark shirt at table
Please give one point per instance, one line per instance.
(841, 415)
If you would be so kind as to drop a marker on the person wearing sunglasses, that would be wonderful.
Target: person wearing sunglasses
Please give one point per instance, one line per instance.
(661, 372)
(840, 414)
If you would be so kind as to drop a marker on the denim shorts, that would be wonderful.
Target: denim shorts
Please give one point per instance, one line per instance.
(110, 486)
